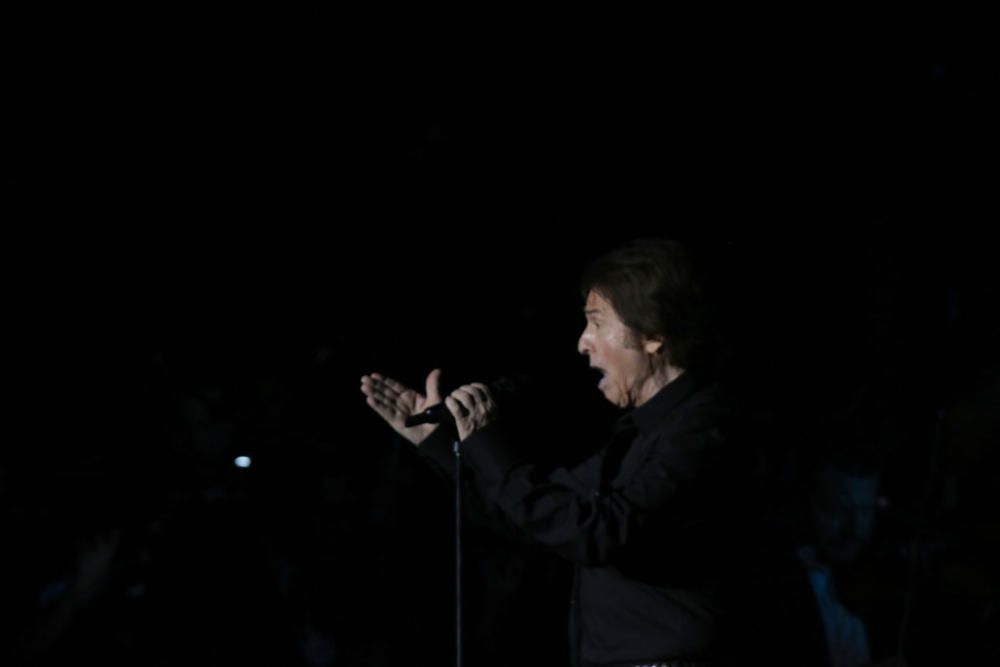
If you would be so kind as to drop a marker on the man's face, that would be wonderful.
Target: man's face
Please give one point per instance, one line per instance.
(624, 359)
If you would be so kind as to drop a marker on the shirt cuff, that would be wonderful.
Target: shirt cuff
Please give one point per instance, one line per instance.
(437, 448)
(490, 453)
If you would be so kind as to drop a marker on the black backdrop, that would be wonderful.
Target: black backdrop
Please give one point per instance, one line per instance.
(218, 222)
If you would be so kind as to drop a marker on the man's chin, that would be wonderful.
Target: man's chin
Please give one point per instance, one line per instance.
(613, 399)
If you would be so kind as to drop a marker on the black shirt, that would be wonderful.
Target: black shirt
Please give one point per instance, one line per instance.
(643, 519)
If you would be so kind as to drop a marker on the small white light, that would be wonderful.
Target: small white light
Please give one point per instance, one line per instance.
(242, 461)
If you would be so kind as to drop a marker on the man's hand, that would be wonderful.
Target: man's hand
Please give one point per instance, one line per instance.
(394, 403)
(472, 406)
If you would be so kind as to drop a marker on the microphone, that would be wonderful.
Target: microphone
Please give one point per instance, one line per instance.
(503, 390)
(435, 414)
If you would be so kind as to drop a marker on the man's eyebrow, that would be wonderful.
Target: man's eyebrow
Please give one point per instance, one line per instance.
(592, 312)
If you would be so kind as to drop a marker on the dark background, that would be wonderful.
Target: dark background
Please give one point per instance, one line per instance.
(216, 223)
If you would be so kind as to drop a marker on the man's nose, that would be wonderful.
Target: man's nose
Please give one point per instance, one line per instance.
(581, 344)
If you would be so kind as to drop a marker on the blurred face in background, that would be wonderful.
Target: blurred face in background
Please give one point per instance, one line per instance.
(843, 513)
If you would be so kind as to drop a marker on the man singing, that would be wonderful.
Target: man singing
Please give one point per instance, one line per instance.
(645, 519)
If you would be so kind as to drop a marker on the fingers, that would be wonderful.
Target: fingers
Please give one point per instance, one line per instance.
(376, 385)
(384, 407)
(472, 396)
(457, 410)
(389, 383)
(472, 407)
(465, 399)
(394, 402)
(433, 386)
(378, 393)
(380, 396)
(482, 391)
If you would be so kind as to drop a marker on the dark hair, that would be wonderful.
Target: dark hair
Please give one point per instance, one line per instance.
(657, 286)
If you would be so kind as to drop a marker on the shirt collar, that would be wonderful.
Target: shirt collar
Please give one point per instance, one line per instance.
(649, 414)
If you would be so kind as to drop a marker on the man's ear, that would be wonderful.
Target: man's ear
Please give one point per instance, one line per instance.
(652, 344)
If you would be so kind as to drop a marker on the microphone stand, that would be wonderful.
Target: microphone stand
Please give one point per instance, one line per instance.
(439, 414)
(458, 552)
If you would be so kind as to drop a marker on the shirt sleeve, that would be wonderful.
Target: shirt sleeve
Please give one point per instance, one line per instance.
(437, 450)
(565, 508)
